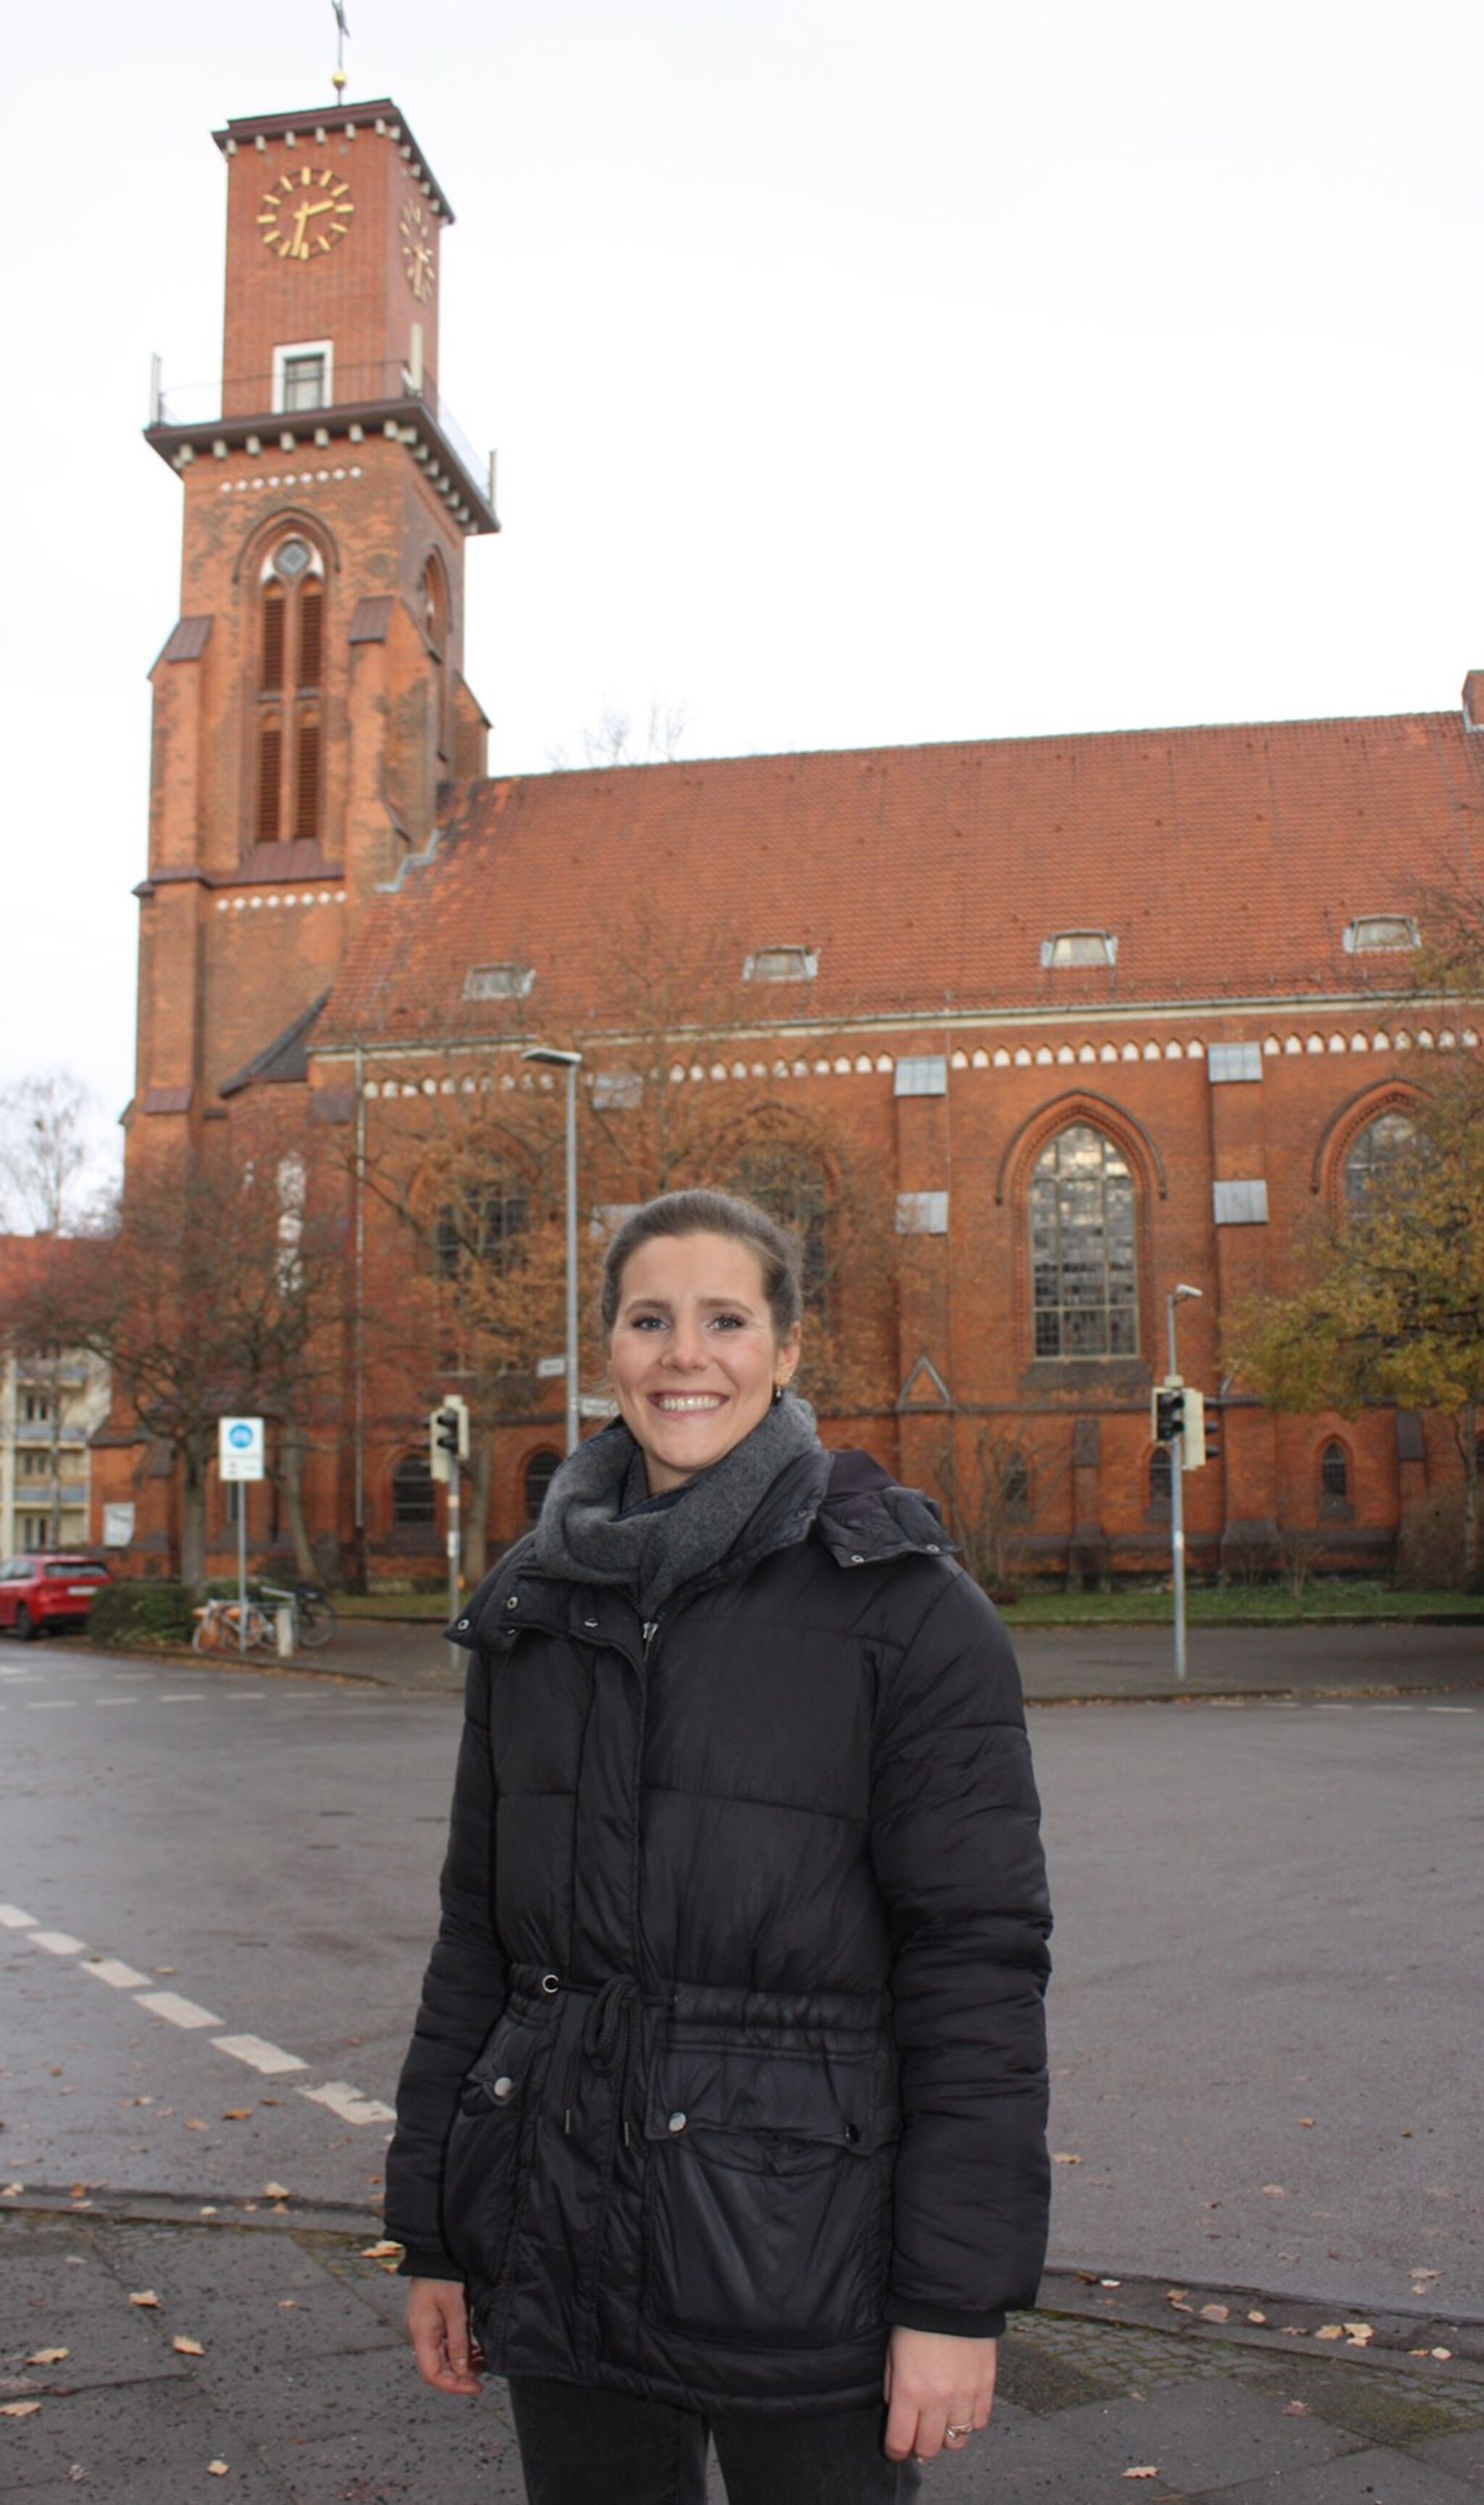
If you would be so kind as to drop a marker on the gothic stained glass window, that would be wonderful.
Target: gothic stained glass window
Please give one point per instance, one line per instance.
(1084, 1286)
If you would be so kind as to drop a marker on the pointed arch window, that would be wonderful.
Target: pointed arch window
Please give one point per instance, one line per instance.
(1334, 1472)
(1376, 1154)
(434, 609)
(289, 761)
(1084, 1277)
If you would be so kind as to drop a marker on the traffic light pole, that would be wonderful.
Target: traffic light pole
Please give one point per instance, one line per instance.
(1177, 1296)
(453, 1546)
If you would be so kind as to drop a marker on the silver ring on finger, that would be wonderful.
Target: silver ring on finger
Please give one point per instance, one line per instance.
(956, 2434)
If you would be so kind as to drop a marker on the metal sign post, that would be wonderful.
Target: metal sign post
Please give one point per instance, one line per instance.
(239, 1461)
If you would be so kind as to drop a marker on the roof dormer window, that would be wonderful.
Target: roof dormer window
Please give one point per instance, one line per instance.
(497, 983)
(781, 966)
(1079, 948)
(1380, 932)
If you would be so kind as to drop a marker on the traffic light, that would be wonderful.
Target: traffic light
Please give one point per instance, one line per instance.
(1167, 1412)
(448, 1438)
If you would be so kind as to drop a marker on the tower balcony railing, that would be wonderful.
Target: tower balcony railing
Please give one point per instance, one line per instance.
(313, 390)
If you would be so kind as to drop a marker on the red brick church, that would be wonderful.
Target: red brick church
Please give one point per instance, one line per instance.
(1091, 1015)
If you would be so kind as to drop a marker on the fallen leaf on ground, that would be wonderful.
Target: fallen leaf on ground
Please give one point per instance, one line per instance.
(276, 2191)
(1275, 2191)
(1143, 2470)
(1418, 2272)
(238, 2113)
(1216, 2314)
(1295, 2408)
(1110, 2282)
(1361, 2333)
(1331, 2331)
(13, 2191)
(217, 2469)
(1440, 2353)
(195, 2123)
(79, 2192)
(379, 2252)
(1257, 2317)
(1177, 2295)
(144, 2296)
(187, 2348)
(18, 2409)
(1063, 2157)
(48, 2356)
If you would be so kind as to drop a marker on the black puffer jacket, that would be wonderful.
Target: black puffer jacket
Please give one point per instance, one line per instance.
(731, 2050)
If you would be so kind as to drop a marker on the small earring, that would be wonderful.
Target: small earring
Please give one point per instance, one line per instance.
(777, 1394)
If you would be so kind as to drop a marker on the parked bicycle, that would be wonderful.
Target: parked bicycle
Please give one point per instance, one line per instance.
(220, 1627)
(313, 1618)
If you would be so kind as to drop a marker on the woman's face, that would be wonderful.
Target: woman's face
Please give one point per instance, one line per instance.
(693, 1354)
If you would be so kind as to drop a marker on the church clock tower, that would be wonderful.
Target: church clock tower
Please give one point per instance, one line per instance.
(310, 700)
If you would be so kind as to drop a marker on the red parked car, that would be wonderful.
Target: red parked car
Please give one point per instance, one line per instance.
(48, 1590)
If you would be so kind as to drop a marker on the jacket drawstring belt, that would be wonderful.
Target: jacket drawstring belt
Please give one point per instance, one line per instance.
(609, 2037)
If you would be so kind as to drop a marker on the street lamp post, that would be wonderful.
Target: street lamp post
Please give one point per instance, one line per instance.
(572, 1062)
(1177, 1296)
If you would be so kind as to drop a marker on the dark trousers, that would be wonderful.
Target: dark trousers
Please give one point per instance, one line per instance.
(585, 2446)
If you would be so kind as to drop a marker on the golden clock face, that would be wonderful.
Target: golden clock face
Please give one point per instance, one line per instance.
(306, 213)
(417, 249)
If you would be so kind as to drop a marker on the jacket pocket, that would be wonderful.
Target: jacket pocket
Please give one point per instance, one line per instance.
(769, 2193)
(482, 2161)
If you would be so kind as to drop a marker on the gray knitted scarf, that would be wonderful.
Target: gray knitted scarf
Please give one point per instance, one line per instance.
(589, 1532)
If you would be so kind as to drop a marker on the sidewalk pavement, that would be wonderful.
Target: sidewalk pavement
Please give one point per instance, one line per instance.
(1061, 1665)
(268, 2365)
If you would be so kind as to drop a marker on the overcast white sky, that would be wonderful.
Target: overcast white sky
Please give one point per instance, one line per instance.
(859, 374)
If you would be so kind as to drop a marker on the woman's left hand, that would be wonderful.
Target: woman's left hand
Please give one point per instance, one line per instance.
(935, 2383)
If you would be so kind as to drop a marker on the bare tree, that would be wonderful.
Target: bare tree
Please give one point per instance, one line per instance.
(47, 1125)
(614, 740)
(990, 1483)
(207, 1293)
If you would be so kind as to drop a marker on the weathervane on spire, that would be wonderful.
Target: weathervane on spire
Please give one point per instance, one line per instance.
(338, 74)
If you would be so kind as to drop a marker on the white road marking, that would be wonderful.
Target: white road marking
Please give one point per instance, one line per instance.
(337, 2096)
(1449, 1708)
(123, 1977)
(195, 1697)
(99, 1702)
(347, 2102)
(270, 2059)
(245, 1696)
(179, 2011)
(51, 1703)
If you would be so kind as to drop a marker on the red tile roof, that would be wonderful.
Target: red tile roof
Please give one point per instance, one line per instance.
(1228, 861)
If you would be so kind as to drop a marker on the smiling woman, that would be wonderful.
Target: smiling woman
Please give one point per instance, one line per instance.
(724, 2115)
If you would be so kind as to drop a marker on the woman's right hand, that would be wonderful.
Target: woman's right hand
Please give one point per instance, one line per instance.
(438, 2327)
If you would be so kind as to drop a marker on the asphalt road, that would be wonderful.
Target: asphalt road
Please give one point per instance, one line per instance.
(1269, 1961)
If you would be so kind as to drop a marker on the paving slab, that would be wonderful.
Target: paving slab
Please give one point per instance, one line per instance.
(306, 2390)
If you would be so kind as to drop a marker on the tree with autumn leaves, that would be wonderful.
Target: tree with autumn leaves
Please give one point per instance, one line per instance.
(1391, 1311)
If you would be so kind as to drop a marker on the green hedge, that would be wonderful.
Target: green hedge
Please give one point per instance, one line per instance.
(141, 1613)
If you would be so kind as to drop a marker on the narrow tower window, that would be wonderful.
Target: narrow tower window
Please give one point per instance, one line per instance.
(288, 758)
